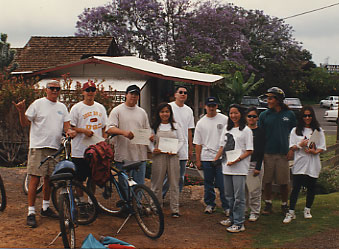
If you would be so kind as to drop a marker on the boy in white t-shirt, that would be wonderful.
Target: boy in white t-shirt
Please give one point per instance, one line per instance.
(206, 139)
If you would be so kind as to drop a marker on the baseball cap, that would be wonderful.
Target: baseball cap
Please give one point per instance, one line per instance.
(133, 88)
(211, 101)
(88, 84)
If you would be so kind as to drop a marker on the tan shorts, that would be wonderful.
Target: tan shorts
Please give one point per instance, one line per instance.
(35, 156)
(277, 169)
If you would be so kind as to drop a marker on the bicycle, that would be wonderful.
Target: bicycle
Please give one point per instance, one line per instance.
(138, 201)
(72, 211)
(3, 198)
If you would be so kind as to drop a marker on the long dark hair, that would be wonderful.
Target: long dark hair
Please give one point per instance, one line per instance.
(301, 124)
(242, 121)
(157, 120)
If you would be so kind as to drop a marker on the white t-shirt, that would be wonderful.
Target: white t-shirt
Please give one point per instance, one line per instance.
(207, 134)
(93, 117)
(47, 123)
(184, 117)
(304, 163)
(234, 140)
(128, 118)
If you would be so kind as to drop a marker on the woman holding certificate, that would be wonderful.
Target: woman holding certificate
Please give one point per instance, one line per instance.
(307, 140)
(236, 146)
(168, 140)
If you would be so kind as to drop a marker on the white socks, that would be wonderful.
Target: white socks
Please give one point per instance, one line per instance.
(45, 205)
(31, 210)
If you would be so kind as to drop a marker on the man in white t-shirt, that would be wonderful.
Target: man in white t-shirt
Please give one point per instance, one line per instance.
(48, 118)
(122, 121)
(183, 115)
(206, 139)
(88, 119)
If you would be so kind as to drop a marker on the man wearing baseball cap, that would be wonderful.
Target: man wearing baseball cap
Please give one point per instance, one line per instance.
(277, 123)
(206, 139)
(88, 118)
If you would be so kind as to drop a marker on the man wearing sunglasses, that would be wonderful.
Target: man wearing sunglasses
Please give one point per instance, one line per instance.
(183, 115)
(277, 123)
(47, 118)
(88, 119)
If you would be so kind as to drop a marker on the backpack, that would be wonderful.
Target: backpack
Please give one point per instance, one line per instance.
(100, 157)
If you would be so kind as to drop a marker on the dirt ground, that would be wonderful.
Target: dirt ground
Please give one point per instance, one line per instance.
(193, 229)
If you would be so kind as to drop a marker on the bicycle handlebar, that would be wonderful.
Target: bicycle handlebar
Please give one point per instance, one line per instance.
(64, 142)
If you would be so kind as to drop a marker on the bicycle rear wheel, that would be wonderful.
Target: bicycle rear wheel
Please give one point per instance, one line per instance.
(67, 226)
(109, 200)
(25, 184)
(86, 209)
(148, 212)
(3, 199)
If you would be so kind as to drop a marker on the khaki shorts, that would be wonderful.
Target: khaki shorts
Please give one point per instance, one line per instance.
(35, 156)
(277, 169)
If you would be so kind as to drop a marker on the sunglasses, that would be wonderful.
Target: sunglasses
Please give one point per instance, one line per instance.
(307, 116)
(182, 92)
(90, 89)
(52, 88)
(252, 116)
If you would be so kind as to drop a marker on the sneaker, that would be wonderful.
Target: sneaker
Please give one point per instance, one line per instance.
(253, 217)
(175, 215)
(31, 222)
(226, 223)
(284, 209)
(49, 213)
(307, 213)
(227, 212)
(289, 217)
(268, 209)
(209, 209)
(236, 228)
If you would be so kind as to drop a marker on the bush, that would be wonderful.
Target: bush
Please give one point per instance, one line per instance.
(328, 181)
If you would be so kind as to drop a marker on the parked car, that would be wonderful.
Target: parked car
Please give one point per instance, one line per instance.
(248, 101)
(331, 115)
(263, 100)
(329, 102)
(294, 104)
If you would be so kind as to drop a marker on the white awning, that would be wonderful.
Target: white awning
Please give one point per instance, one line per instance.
(113, 84)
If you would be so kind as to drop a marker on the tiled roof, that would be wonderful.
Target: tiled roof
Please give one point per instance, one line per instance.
(44, 52)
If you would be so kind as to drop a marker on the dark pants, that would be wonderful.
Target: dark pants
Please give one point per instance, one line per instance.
(298, 182)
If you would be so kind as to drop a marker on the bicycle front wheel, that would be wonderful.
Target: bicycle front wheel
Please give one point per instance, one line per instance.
(148, 212)
(87, 209)
(67, 226)
(3, 199)
(25, 184)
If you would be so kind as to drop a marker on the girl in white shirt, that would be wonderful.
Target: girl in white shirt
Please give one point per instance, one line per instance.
(306, 166)
(166, 162)
(237, 138)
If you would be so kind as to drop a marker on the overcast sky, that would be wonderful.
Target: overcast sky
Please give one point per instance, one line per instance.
(318, 31)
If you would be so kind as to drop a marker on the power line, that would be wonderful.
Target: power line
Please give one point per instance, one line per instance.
(306, 12)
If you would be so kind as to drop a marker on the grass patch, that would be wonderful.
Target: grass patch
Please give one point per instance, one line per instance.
(269, 231)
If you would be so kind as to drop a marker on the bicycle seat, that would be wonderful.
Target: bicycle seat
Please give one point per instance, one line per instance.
(129, 165)
(64, 167)
(61, 176)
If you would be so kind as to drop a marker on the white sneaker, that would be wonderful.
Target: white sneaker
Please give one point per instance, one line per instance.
(307, 213)
(253, 217)
(236, 229)
(226, 223)
(209, 209)
(227, 212)
(289, 217)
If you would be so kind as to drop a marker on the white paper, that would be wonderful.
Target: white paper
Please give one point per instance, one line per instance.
(168, 145)
(141, 136)
(315, 138)
(252, 182)
(232, 155)
(87, 141)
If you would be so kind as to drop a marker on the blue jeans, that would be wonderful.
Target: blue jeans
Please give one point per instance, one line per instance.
(138, 175)
(213, 177)
(235, 195)
(181, 179)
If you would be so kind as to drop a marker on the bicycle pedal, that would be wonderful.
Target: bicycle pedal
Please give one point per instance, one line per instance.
(121, 203)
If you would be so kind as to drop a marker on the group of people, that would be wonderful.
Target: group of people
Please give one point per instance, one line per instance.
(232, 150)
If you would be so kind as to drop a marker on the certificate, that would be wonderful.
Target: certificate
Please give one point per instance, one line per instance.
(169, 145)
(315, 138)
(87, 141)
(232, 155)
(141, 136)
